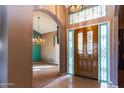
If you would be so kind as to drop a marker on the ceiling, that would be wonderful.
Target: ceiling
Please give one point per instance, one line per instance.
(46, 23)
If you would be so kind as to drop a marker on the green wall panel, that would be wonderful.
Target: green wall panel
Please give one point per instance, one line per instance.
(36, 53)
(36, 49)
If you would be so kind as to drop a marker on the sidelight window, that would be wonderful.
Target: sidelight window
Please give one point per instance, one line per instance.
(71, 52)
(104, 52)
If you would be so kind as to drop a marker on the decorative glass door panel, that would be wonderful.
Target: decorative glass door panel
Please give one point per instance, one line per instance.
(90, 42)
(80, 43)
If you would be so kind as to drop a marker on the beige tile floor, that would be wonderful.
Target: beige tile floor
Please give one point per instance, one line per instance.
(69, 81)
(46, 76)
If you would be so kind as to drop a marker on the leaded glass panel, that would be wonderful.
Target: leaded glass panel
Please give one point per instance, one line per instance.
(88, 14)
(80, 43)
(70, 52)
(104, 52)
(90, 42)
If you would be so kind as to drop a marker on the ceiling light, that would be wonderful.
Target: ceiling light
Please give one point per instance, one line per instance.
(75, 8)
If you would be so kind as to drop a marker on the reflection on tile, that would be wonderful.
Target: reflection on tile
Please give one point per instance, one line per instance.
(46, 76)
(69, 81)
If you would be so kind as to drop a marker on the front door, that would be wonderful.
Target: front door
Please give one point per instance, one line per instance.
(86, 52)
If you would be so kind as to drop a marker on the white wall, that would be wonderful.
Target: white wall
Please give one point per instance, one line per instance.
(56, 52)
(46, 23)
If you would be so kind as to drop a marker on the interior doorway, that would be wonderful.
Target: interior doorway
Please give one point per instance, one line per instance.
(46, 49)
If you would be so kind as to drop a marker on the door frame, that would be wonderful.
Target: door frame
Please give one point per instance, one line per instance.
(108, 22)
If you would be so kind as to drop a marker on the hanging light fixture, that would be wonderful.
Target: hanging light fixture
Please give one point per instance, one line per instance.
(75, 8)
(37, 40)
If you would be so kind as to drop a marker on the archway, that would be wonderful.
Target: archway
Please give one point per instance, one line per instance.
(60, 38)
(61, 35)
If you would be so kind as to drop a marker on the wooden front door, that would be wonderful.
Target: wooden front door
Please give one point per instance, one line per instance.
(86, 52)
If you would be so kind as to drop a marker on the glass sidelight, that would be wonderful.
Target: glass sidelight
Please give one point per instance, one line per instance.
(71, 52)
(104, 52)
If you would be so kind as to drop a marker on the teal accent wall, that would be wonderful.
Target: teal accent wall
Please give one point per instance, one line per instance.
(36, 49)
(36, 55)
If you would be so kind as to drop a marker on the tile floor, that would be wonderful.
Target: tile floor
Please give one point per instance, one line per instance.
(47, 76)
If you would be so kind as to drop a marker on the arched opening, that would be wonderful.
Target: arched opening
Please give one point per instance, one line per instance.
(47, 64)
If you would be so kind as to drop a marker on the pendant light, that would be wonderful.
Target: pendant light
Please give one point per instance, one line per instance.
(37, 40)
